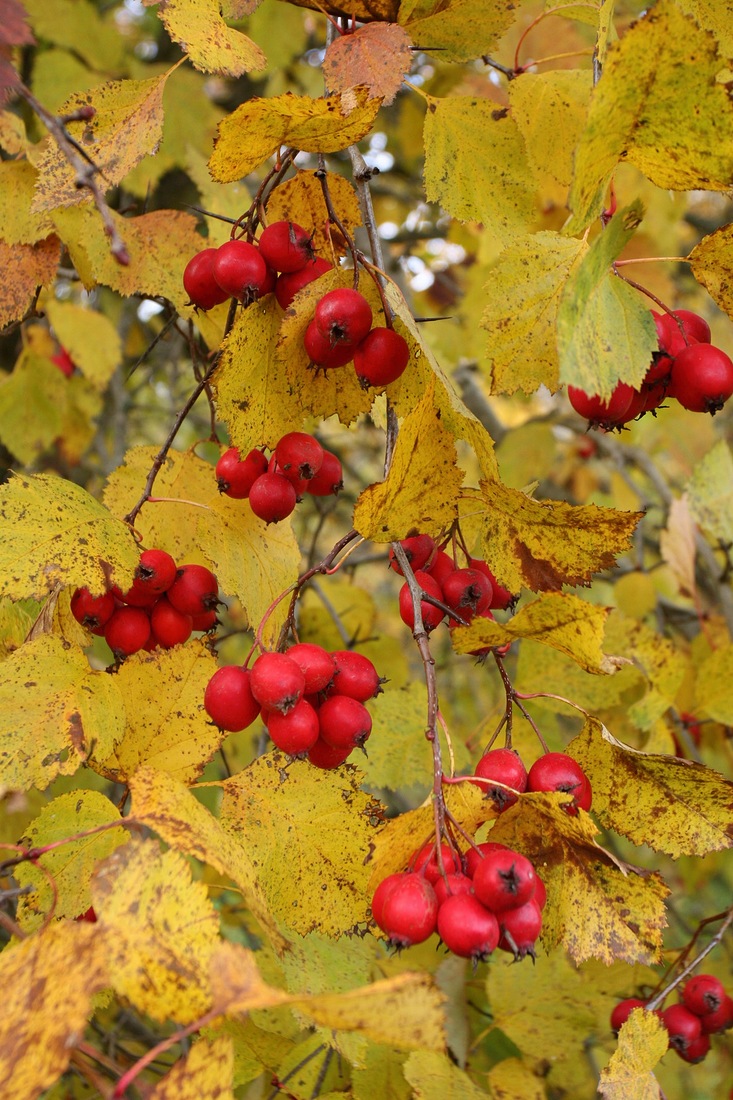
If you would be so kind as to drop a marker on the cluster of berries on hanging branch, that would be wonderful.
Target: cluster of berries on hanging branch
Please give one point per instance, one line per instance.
(471, 591)
(504, 777)
(164, 606)
(489, 897)
(311, 701)
(686, 367)
(298, 465)
(704, 1009)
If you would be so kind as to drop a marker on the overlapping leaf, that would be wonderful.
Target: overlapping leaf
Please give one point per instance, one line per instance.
(710, 493)
(458, 29)
(377, 56)
(301, 200)
(211, 45)
(26, 267)
(89, 337)
(205, 1073)
(642, 1041)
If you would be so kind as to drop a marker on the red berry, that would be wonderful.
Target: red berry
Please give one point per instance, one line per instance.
(92, 611)
(721, 1019)
(195, 590)
(468, 592)
(355, 676)
(289, 283)
(88, 915)
(520, 928)
(672, 338)
(285, 246)
(418, 549)
(503, 766)
(236, 476)
(381, 357)
(322, 353)
(501, 597)
(318, 666)
(380, 895)
(623, 1010)
(467, 928)
(703, 994)
(473, 857)
(344, 722)
(64, 362)
(169, 627)
(240, 271)
(127, 631)
(504, 879)
(702, 378)
(206, 621)
(555, 771)
(199, 282)
(452, 884)
(696, 1050)
(299, 453)
(277, 682)
(156, 571)
(273, 497)
(636, 408)
(441, 567)
(431, 615)
(683, 1026)
(343, 316)
(409, 912)
(425, 860)
(137, 596)
(295, 732)
(598, 411)
(228, 699)
(329, 480)
(323, 755)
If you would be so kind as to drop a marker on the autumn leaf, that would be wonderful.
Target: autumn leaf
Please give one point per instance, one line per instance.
(89, 337)
(458, 29)
(711, 262)
(677, 545)
(642, 1041)
(34, 400)
(301, 200)
(13, 32)
(714, 685)
(550, 110)
(20, 224)
(434, 1076)
(204, 1074)
(376, 55)
(710, 493)
(257, 129)
(661, 663)
(26, 267)
(211, 45)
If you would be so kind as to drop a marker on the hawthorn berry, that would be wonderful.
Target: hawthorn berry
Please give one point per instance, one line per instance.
(703, 994)
(719, 1020)
(409, 911)
(273, 497)
(702, 378)
(425, 860)
(501, 597)
(199, 282)
(355, 676)
(381, 357)
(696, 1050)
(473, 857)
(453, 883)
(623, 1010)
(322, 353)
(598, 411)
(92, 611)
(290, 282)
(556, 771)
(440, 567)
(344, 722)
(195, 590)
(285, 246)
(155, 572)
(684, 1027)
(418, 550)
(468, 592)
(207, 621)
(323, 755)
(330, 478)
(431, 615)
(300, 454)
(502, 766)
(64, 362)
(504, 879)
(169, 626)
(520, 928)
(228, 699)
(235, 475)
(343, 316)
(380, 895)
(317, 664)
(240, 271)
(277, 682)
(467, 928)
(295, 732)
(127, 631)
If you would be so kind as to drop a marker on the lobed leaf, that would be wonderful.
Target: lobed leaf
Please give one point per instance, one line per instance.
(642, 1041)
(459, 29)
(376, 56)
(204, 1074)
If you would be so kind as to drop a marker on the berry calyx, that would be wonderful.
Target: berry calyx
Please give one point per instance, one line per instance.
(322, 353)
(343, 316)
(504, 879)
(520, 928)
(91, 611)
(195, 590)
(684, 1027)
(330, 478)
(285, 246)
(155, 572)
(299, 454)
(468, 592)
(502, 766)
(295, 732)
(228, 699)
(719, 1020)
(703, 994)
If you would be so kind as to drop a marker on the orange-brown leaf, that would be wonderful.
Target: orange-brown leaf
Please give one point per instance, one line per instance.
(377, 56)
(25, 267)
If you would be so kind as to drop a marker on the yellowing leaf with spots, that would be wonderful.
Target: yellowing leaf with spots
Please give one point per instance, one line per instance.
(204, 1074)
(377, 55)
(301, 200)
(310, 832)
(596, 907)
(423, 484)
(126, 126)
(434, 1076)
(211, 45)
(54, 532)
(257, 129)
(172, 810)
(672, 805)
(659, 92)
(18, 180)
(710, 493)
(550, 110)
(457, 30)
(714, 685)
(525, 288)
(560, 620)
(71, 864)
(56, 710)
(167, 726)
(642, 1041)
(34, 401)
(476, 165)
(711, 262)
(661, 662)
(89, 337)
(48, 981)
(237, 985)
(26, 267)
(511, 1079)
(162, 930)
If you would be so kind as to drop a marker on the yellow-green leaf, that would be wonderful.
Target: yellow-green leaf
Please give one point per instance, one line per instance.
(17, 184)
(662, 663)
(711, 262)
(257, 129)
(714, 685)
(642, 1041)
(33, 402)
(710, 493)
(82, 29)
(550, 110)
(211, 45)
(457, 29)
(205, 1074)
(434, 1076)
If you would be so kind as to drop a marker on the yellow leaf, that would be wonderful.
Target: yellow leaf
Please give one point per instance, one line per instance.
(33, 402)
(312, 831)
(237, 985)
(458, 29)
(712, 265)
(70, 865)
(595, 907)
(677, 545)
(659, 92)
(476, 165)
(423, 484)
(167, 726)
(300, 200)
(672, 805)
(525, 288)
(54, 720)
(560, 620)
(162, 930)
(20, 226)
(550, 110)
(354, 607)
(13, 137)
(257, 129)
(205, 1074)
(661, 662)
(211, 45)
(363, 10)
(376, 55)
(56, 533)
(434, 1076)
(171, 809)
(48, 981)
(126, 126)
(714, 686)
(642, 1041)
(15, 622)
(510, 1079)
(710, 493)
(90, 338)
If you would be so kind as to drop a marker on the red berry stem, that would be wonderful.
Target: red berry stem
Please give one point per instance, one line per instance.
(666, 987)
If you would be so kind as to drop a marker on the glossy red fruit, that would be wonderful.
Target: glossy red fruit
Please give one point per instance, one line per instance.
(555, 771)
(381, 357)
(273, 497)
(696, 1051)
(343, 316)
(240, 271)
(636, 408)
(169, 627)
(721, 1019)
(137, 596)
(598, 411)
(684, 1027)
(520, 928)
(503, 766)
(344, 723)
(467, 928)
(156, 571)
(285, 246)
(540, 892)
(702, 378)
(381, 893)
(419, 549)
(195, 590)
(468, 592)
(322, 353)
(300, 454)
(236, 475)
(207, 621)
(672, 338)
(323, 755)
(228, 699)
(127, 630)
(199, 282)
(289, 283)
(317, 664)
(504, 879)
(330, 478)
(474, 856)
(295, 732)
(92, 611)
(501, 597)
(703, 994)
(410, 911)
(64, 362)
(431, 615)
(425, 860)
(654, 394)
(355, 676)
(451, 885)
(623, 1010)
(277, 682)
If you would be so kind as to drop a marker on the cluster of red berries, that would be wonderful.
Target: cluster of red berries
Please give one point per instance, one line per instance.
(686, 366)
(555, 771)
(299, 464)
(488, 897)
(311, 701)
(704, 1009)
(164, 606)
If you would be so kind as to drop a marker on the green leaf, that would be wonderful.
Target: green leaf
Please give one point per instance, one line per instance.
(710, 493)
